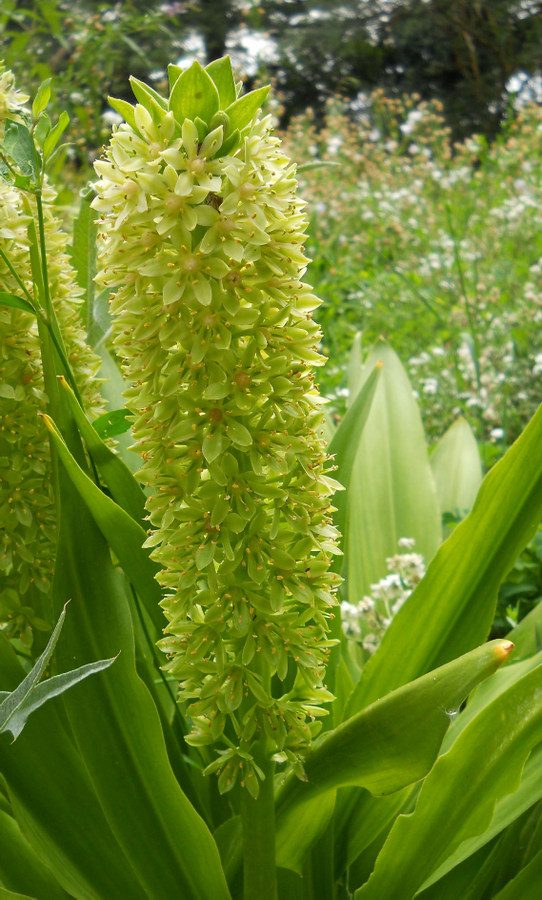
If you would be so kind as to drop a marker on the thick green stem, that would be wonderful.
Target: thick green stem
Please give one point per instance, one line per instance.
(258, 820)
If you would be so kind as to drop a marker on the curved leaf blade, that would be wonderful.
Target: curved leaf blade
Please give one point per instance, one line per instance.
(453, 606)
(458, 797)
(395, 741)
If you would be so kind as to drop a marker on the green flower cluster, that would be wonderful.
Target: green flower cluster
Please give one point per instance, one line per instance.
(27, 505)
(202, 236)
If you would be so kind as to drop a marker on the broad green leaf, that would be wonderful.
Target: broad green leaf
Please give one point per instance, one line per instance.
(55, 134)
(457, 469)
(526, 884)
(355, 367)
(395, 741)
(242, 111)
(42, 97)
(299, 827)
(345, 444)
(123, 533)
(18, 145)
(343, 448)
(117, 728)
(458, 797)
(20, 868)
(16, 302)
(507, 810)
(392, 493)
(221, 72)
(194, 95)
(453, 606)
(111, 424)
(55, 806)
(16, 707)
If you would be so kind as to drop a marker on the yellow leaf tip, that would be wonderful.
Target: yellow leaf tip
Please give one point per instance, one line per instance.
(503, 650)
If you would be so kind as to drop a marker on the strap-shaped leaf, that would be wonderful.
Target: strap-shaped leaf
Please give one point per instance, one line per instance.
(526, 884)
(21, 868)
(395, 741)
(457, 469)
(55, 805)
(124, 488)
(125, 536)
(453, 606)
(344, 445)
(507, 810)
(458, 797)
(117, 728)
(392, 493)
(16, 302)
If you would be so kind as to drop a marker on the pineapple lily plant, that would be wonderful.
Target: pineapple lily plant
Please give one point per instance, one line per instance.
(236, 744)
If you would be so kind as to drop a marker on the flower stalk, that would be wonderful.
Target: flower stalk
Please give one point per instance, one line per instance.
(34, 266)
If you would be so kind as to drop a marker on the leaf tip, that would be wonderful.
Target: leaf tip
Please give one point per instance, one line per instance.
(503, 650)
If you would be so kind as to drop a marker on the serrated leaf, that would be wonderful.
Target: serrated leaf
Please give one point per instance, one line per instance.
(194, 94)
(16, 302)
